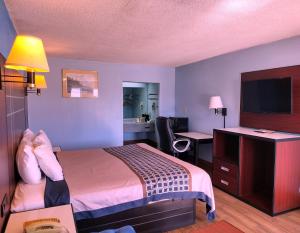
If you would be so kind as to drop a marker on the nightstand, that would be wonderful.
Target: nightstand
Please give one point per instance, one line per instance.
(64, 213)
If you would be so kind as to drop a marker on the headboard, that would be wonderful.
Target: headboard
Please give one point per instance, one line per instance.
(13, 121)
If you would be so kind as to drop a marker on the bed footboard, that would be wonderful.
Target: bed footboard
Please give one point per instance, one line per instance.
(157, 217)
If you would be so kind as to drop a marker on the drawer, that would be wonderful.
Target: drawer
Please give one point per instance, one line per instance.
(226, 183)
(225, 168)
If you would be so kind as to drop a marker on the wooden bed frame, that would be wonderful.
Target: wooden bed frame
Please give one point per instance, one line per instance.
(157, 217)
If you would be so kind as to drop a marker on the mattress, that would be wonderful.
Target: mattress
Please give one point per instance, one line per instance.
(102, 183)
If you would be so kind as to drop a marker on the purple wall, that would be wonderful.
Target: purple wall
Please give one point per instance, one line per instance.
(7, 31)
(196, 82)
(81, 122)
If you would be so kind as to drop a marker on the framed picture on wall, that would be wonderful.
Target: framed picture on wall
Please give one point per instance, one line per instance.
(80, 83)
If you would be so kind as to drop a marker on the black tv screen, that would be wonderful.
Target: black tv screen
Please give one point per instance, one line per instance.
(267, 96)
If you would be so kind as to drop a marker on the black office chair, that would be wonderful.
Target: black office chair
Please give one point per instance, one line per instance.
(166, 140)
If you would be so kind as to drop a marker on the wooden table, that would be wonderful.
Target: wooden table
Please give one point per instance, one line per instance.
(64, 213)
(197, 138)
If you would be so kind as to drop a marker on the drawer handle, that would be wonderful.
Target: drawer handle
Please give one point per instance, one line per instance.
(147, 127)
(225, 182)
(225, 169)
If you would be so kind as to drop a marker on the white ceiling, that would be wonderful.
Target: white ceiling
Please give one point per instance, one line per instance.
(158, 32)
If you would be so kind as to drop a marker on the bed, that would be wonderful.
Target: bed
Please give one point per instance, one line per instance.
(115, 181)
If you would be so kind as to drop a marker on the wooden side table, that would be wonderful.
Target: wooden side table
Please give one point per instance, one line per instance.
(64, 213)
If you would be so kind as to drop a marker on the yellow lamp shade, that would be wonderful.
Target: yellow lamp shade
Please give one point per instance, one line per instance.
(40, 81)
(27, 54)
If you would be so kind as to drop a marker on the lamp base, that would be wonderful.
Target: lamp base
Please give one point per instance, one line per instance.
(224, 114)
(30, 79)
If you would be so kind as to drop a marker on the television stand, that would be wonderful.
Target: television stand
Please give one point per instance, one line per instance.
(261, 169)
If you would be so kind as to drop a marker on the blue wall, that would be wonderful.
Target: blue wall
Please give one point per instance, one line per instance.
(7, 31)
(81, 122)
(221, 76)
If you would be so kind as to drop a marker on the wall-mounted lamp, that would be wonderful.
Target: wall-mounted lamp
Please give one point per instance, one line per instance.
(215, 102)
(27, 54)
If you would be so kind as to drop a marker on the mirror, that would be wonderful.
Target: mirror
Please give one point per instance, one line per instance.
(140, 100)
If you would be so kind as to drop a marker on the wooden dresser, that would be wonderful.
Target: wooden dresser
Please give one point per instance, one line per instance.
(261, 169)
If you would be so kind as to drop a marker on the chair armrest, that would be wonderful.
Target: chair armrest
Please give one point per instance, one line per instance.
(188, 142)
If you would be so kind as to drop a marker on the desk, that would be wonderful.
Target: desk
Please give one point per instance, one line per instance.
(197, 138)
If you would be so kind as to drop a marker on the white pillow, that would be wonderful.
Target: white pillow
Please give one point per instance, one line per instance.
(41, 139)
(27, 164)
(28, 135)
(48, 162)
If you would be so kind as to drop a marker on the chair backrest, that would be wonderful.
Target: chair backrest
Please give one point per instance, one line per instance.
(164, 134)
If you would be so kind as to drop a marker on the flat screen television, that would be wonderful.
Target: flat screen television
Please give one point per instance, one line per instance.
(267, 96)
